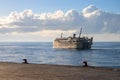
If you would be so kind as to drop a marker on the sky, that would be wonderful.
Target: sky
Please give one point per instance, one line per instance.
(44, 20)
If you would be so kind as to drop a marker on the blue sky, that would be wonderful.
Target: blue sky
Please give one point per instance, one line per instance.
(28, 20)
(6, 6)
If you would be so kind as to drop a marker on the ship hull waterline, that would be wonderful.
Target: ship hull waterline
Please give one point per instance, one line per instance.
(69, 45)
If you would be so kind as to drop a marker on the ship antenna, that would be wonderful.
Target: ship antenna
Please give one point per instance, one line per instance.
(61, 35)
(80, 32)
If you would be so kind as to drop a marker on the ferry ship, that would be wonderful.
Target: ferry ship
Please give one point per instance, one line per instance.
(73, 42)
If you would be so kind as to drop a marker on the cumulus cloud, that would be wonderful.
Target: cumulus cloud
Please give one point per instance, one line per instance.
(91, 19)
(90, 11)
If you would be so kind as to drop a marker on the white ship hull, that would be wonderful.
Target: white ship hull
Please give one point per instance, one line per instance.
(71, 45)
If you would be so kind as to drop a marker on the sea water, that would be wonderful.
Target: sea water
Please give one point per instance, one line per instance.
(102, 54)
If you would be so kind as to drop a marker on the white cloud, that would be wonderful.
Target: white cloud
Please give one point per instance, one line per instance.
(91, 11)
(91, 19)
(111, 37)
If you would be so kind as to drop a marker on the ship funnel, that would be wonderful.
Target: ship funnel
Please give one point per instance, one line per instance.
(74, 35)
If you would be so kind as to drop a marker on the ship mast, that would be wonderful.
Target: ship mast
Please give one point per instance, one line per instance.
(80, 32)
(61, 35)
